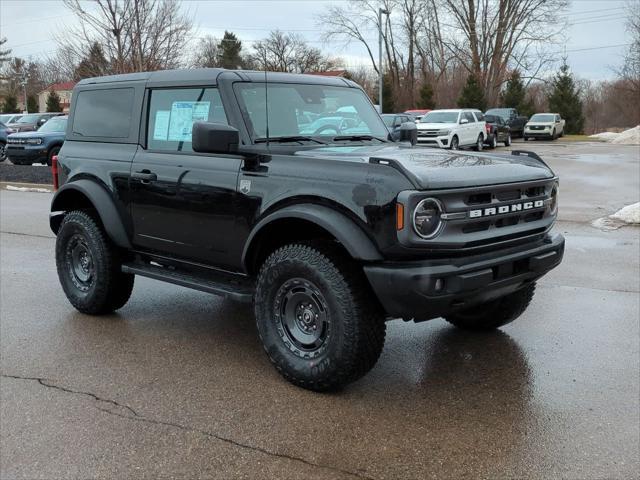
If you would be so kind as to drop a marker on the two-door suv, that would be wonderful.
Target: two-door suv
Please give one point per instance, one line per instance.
(202, 178)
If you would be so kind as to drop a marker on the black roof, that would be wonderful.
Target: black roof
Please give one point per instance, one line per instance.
(209, 76)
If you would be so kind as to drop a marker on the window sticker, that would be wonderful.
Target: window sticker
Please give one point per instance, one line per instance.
(183, 114)
(161, 129)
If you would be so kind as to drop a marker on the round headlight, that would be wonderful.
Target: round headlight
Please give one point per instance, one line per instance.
(553, 204)
(426, 218)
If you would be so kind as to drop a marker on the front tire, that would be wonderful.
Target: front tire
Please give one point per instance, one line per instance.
(316, 319)
(495, 313)
(455, 143)
(3, 151)
(54, 151)
(494, 141)
(89, 266)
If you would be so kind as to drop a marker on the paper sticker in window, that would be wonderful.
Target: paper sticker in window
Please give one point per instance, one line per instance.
(161, 128)
(183, 114)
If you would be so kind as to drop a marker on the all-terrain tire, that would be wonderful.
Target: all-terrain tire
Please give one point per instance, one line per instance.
(354, 332)
(494, 314)
(102, 288)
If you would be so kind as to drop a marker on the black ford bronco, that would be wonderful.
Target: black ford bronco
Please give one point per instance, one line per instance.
(287, 191)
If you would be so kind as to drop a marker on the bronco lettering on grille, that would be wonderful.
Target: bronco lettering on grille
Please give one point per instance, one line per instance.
(514, 207)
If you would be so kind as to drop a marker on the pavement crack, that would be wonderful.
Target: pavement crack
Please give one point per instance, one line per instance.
(47, 383)
(133, 415)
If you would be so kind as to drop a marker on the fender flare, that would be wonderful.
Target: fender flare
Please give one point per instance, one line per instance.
(345, 230)
(103, 203)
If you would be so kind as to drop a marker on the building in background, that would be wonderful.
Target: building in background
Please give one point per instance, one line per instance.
(64, 92)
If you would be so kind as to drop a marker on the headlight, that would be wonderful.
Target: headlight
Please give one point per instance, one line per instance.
(553, 204)
(426, 218)
(444, 132)
(33, 141)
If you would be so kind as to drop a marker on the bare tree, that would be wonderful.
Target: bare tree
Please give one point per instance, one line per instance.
(630, 71)
(207, 52)
(284, 52)
(135, 35)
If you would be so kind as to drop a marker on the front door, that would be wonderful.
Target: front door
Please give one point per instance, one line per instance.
(183, 202)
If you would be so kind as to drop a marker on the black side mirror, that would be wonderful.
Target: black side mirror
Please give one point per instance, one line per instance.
(409, 133)
(210, 137)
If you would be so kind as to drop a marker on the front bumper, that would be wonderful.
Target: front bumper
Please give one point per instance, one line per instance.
(26, 154)
(432, 288)
(441, 142)
(538, 133)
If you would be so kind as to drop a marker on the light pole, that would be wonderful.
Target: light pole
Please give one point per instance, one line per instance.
(381, 11)
(24, 92)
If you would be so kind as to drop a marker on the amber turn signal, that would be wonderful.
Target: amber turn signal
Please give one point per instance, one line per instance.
(399, 216)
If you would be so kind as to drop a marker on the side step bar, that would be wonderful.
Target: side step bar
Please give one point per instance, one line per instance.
(240, 290)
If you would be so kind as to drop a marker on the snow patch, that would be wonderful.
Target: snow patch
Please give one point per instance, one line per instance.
(628, 214)
(27, 189)
(628, 137)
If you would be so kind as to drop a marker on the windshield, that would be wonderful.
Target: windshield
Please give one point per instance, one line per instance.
(542, 118)
(505, 113)
(297, 110)
(54, 125)
(440, 117)
(29, 119)
(6, 118)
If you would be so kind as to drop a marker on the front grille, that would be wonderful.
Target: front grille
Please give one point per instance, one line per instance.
(484, 216)
(537, 127)
(427, 133)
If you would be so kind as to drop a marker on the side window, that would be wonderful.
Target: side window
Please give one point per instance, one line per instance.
(469, 117)
(557, 118)
(104, 113)
(173, 111)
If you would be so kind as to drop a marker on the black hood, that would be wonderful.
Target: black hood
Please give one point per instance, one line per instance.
(431, 168)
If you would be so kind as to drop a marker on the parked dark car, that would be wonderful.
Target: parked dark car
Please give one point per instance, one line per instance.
(511, 117)
(31, 122)
(27, 148)
(191, 177)
(394, 121)
(497, 131)
(4, 132)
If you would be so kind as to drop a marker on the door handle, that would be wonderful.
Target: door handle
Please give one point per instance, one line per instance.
(145, 176)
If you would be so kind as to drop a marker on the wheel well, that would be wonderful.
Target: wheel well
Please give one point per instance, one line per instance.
(67, 201)
(282, 232)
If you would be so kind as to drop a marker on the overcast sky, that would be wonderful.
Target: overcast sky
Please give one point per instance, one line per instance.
(30, 26)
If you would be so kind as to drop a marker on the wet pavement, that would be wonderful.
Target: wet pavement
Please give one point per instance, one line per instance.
(176, 384)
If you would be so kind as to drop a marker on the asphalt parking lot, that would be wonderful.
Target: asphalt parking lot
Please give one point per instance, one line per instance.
(176, 384)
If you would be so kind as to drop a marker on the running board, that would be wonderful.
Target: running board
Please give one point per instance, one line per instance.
(238, 289)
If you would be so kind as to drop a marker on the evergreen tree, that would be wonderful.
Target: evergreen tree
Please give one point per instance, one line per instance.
(388, 103)
(565, 100)
(514, 93)
(94, 64)
(229, 51)
(472, 95)
(425, 99)
(53, 102)
(32, 104)
(10, 104)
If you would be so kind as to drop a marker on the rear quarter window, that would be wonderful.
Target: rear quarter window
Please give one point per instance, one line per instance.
(104, 113)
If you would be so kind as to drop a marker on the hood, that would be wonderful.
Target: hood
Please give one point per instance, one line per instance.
(24, 127)
(436, 126)
(431, 168)
(36, 134)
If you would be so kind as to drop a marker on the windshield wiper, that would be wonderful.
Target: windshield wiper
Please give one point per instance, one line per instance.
(356, 138)
(291, 138)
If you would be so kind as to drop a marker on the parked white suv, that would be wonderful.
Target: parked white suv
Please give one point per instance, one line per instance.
(452, 129)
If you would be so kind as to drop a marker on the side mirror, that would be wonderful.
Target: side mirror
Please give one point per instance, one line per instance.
(463, 121)
(409, 133)
(207, 137)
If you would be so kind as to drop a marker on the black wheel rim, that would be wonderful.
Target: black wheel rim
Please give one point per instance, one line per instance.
(302, 317)
(80, 263)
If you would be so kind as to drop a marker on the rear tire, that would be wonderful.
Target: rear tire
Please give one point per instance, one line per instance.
(507, 142)
(494, 314)
(479, 142)
(89, 266)
(316, 318)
